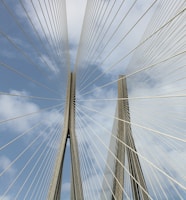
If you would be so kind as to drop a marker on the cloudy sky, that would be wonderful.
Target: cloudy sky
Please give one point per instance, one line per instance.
(41, 41)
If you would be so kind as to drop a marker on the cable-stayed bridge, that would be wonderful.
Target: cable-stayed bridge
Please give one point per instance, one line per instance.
(116, 130)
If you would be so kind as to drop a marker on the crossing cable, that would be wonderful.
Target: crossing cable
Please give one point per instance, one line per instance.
(28, 162)
(86, 167)
(81, 109)
(133, 26)
(79, 124)
(30, 97)
(160, 188)
(109, 26)
(86, 190)
(166, 81)
(44, 190)
(60, 29)
(129, 53)
(55, 19)
(114, 137)
(165, 157)
(89, 17)
(134, 98)
(84, 25)
(166, 38)
(41, 24)
(163, 44)
(23, 152)
(98, 33)
(164, 173)
(27, 77)
(37, 34)
(52, 35)
(50, 154)
(64, 16)
(104, 34)
(58, 21)
(27, 96)
(118, 45)
(102, 27)
(119, 119)
(84, 174)
(137, 125)
(102, 24)
(137, 71)
(23, 31)
(45, 172)
(41, 187)
(174, 129)
(169, 114)
(25, 55)
(100, 153)
(34, 27)
(95, 19)
(157, 17)
(168, 94)
(110, 39)
(166, 35)
(47, 178)
(28, 114)
(23, 134)
(157, 20)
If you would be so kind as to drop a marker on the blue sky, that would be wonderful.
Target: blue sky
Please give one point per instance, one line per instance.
(30, 66)
(34, 67)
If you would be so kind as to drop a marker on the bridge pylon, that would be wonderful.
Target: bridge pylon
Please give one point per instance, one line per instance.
(125, 146)
(68, 133)
(126, 149)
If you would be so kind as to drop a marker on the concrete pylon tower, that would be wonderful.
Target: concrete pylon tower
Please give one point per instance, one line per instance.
(137, 180)
(123, 152)
(68, 132)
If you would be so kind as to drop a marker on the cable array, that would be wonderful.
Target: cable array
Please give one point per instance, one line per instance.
(145, 41)
(142, 40)
(34, 69)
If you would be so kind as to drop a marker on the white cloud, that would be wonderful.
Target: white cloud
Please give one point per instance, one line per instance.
(6, 197)
(4, 163)
(50, 64)
(12, 107)
(65, 190)
(92, 187)
(66, 187)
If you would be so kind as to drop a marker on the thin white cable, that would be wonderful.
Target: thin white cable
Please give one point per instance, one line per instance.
(144, 158)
